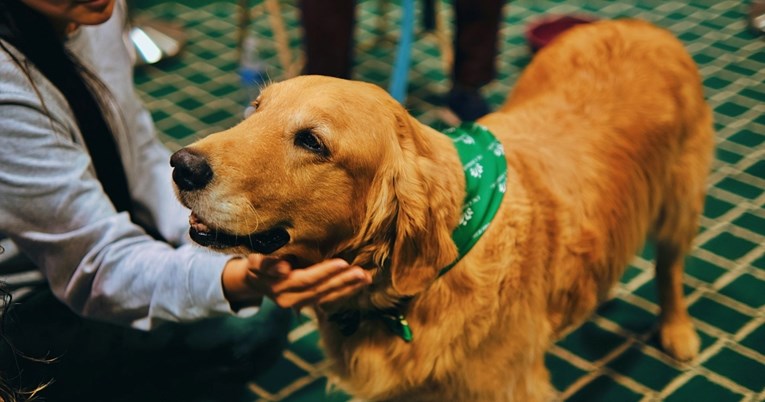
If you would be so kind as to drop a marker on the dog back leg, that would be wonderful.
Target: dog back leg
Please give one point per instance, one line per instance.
(674, 232)
(678, 337)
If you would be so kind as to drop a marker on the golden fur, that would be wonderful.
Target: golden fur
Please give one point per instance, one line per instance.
(608, 141)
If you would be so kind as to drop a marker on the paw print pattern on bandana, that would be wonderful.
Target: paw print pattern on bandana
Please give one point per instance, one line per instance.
(476, 170)
(485, 167)
(465, 139)
(497, 149)
(467, 216)
(502, 187)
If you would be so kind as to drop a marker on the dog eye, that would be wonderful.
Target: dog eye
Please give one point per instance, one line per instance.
(308, 140)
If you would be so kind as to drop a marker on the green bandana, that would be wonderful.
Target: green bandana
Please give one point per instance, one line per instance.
(483, 159)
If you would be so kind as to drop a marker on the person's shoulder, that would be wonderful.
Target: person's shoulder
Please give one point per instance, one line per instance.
(15, 73)
(22, 85)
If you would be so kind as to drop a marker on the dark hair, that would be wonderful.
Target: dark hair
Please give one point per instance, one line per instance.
(7, 394)
(34, 36)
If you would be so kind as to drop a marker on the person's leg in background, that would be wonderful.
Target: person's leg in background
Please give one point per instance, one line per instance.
(328, 36)
(476, 42)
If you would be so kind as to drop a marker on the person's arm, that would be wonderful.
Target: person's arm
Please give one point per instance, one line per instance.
(96, 260)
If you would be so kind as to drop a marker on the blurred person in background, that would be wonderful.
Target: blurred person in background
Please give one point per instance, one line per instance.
(328, 39)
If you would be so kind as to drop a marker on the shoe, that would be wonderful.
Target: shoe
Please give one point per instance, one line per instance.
(756, 17)
(467, 104)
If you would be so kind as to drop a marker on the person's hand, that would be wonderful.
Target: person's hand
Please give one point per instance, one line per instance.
(247, 280)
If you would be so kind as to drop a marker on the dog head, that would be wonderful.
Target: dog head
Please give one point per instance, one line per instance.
(324, 167)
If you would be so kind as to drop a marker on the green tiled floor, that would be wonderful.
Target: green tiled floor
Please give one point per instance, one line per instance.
(615, 356)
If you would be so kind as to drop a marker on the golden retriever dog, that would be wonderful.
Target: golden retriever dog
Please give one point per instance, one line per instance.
(607, 141)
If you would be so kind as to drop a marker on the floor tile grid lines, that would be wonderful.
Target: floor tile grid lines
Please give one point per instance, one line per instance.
(686, 376)
(747, 329)
(600, 369)
(724, 59)
(746, 260)
(712, 291)
(689, 370)
(732, 82)
(721, 172)
(212, 22)
(645, 275)
(754, 125)
(200, 130)
(639, 301)
(201, 66)
(713, 229)
(600, 365)
(188, 116)
(731, 125)
(169, 104)
(197, 42)
(591, 369)
(746, 395)
(263, 395)
(313, 372)
(628, 295)
(626, 381)
(641, 340)
(724, 339)
(724, 171)
(623, 291)
(303, 329)
(740, 205)
(713, 226)
(738, 149)
(752, 158)
(731, 274)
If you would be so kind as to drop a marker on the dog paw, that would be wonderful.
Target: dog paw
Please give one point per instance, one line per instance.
(680, 340)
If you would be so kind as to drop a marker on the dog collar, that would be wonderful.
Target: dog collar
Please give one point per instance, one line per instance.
(348, 321)
(483, 160)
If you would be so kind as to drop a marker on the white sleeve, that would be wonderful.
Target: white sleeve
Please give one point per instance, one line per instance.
(95, 259)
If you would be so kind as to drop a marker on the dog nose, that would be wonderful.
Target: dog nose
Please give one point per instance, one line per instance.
(191, 170)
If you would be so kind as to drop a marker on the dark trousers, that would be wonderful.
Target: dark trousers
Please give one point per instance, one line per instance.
(209, 360)
(328, 39)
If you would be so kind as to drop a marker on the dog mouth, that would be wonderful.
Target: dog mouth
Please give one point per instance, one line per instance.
(263, 242)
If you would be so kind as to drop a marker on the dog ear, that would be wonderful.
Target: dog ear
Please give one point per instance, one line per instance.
(422, 243)
(406, 226)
